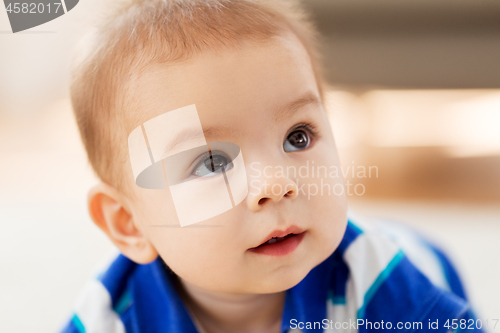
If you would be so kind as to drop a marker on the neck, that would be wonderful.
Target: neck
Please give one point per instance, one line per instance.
(228, 312)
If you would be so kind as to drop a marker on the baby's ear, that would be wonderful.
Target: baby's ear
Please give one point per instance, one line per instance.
(108, 210)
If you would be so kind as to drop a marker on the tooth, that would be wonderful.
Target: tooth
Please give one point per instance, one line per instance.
(272, 241)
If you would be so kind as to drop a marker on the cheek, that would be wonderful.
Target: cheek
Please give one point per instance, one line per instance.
(200, 255)
(155, 209)
(328, 215)
(334, 222)
(326, 198)
(193, 251)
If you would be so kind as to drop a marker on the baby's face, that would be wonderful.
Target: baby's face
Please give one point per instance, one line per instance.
(248, 95)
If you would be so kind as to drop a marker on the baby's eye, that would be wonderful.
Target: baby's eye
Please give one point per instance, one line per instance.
(298, 139)
(211, 165)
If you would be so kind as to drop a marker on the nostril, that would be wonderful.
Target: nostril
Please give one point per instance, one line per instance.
(262, 200)
(289, 193)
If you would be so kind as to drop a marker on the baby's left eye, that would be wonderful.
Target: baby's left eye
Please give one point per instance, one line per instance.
(297, 140)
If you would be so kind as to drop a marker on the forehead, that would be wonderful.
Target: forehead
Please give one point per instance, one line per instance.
(247, 85)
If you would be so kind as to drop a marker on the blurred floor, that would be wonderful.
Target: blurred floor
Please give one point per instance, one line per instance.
(426, 144)
(48, 244)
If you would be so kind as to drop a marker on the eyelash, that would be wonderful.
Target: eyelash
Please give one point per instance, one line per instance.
(203, 157)
(311, 128)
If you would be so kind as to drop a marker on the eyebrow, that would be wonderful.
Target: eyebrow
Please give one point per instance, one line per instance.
(286, 111)
(282, 112)
(192, 133)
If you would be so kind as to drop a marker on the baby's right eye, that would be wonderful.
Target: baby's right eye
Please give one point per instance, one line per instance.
(211, 165)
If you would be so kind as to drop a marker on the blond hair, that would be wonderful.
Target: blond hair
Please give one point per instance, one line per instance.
(141, 32)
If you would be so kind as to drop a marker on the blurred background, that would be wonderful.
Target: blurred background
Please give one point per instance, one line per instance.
(414, 92)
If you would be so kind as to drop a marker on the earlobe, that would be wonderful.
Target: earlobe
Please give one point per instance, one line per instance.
(109, 211)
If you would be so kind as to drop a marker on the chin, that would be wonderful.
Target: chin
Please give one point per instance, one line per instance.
(284, 279)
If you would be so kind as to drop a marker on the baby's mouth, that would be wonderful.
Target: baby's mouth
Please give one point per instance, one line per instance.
(280, 242)
(274, 240)
(278, 236)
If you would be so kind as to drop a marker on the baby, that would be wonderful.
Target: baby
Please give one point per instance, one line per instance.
(197, 116)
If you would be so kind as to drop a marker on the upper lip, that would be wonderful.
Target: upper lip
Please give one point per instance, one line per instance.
(293, 229)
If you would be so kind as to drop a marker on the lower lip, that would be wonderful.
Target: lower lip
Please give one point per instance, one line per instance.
(281, 248)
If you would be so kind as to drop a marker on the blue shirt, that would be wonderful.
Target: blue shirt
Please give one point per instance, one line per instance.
(381, 277)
